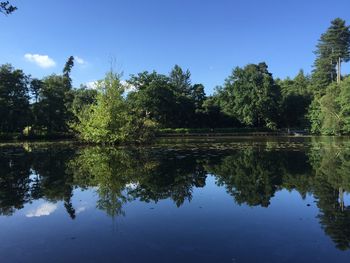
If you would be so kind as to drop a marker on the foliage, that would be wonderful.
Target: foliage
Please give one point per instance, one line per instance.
(334, 45)
(14, 99)
(296, 99)
(329, 114)
(110, 119)
(251, 95)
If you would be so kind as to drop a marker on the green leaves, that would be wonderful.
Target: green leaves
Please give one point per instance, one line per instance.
(14, 99)
(111, 120)
(333, 48)
(330, 114)
(251, 95)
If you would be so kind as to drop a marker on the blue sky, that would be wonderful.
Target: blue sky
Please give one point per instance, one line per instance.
(206, 36)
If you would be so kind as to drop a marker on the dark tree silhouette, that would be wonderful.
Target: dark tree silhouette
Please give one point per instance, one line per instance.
(6, 8)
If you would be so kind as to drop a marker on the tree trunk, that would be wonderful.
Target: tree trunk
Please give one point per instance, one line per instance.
(341, 198)
(339, 70)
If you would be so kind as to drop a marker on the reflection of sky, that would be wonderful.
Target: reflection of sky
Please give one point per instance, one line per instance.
(212, 226)
(82, 201)
(42, 210)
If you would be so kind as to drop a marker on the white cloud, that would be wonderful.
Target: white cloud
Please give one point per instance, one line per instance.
(80, 209)
(79, 60)
(94, 84)
(43, 210)
(43, 61)
(128, 87)
(91, 84)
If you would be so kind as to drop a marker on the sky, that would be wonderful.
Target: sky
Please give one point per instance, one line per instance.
(208, 37)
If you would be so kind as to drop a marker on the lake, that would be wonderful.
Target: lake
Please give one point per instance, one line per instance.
(230, 200)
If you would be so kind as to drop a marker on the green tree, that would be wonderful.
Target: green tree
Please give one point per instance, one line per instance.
(251, 95)
(51, 111)
(333, 48)
(198, 96)
(14, 99)
(111, 120)
(154, 97)
(344, 103)
(83, 97)
(36, 86)
(181, 81)
(330, 113)
(296, 100)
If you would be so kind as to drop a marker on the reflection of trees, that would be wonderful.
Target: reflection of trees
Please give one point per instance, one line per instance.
(122, 175)
(111, 171)
(14, 180)
(18, 185)
(173, 177)
(331, 162)
(251, 174)
(53, 182)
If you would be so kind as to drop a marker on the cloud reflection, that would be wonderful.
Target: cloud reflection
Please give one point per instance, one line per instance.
(42, 210)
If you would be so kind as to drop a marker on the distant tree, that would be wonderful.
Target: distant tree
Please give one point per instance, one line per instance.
(14, 99)
(198, 96)
(51, 111)
(156, 96)
(111, 120)
(296, 99)
(333, 48)
(251, 95)
(53, 107)
(67, 70)
(83, 97)
(36, 86)
(344, 103)
(181, 80)
(330, 114)
(6, 8)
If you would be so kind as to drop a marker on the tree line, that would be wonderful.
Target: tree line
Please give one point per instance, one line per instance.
(116, 111)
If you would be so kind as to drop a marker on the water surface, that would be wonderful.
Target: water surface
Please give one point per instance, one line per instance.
(238, 200)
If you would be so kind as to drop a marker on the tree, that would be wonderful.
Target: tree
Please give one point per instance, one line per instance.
(181, 81)
(110, 120)
(14, 99)
(52, 112)
(6, 8)
(36, 86)
(296, 99)
(66, 72)
(330, 113)
(324, 112)
(154, 97)
(157, 98)
(251, 95)
(198, 96)
(83, 97)
(333, 48)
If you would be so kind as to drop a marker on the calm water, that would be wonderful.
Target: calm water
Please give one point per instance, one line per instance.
(244, 200)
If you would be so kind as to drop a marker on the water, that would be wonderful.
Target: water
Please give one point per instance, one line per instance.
(242, 200)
